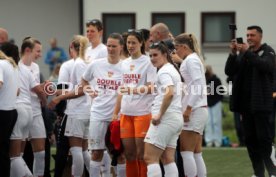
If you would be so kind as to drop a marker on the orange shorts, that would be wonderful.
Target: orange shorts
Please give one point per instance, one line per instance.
(134, 126)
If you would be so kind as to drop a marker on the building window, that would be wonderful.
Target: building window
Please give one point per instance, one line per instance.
(119, 23)
(175, 21)
(215, 28)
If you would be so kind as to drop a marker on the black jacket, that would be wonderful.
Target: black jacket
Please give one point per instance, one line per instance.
(253, 70)
(213, 97)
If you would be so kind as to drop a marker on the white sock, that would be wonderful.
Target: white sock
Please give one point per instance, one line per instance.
(77, 161)
(201, 168)
(189, 163)
(86, 158)
(171, 170)
(106, 162)
(121, 170)
(18, 167)
(27, 170)
(39, 163)
(154, 170)
(95, 169)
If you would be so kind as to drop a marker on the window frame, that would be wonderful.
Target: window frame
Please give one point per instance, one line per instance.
(232, 16)
(181, 15)
(107, 15)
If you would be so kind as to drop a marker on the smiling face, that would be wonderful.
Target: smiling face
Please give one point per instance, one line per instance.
(254, 38)
(37, 52)
(158, 59)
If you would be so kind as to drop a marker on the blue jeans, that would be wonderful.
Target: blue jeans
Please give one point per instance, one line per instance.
(213, 129)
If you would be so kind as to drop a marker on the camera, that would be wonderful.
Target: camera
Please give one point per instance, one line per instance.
(232, 27)
(239, 40)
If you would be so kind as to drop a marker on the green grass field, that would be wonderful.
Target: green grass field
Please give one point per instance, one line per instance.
(227, 162)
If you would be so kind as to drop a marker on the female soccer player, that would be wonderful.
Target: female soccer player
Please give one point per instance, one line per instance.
(194, 104)
(166, 122)
(135, 102)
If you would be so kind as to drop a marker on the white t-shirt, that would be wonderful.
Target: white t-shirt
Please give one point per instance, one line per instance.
(98, 52)
(8, 91)
(36, 106)
(168, 76)
(65, 72)
(108, 78)
(64, 76)
(80, 105)
(192, 70)
(137, 72)
(26, 83)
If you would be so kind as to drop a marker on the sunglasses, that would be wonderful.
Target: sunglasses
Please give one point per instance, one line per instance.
(157, 44)
(95, 22)
(139, 32)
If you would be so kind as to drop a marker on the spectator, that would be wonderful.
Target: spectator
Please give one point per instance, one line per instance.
(54, 55)
(213, 129)
(252, 65)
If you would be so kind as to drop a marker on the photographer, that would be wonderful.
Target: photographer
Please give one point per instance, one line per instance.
(252, 65)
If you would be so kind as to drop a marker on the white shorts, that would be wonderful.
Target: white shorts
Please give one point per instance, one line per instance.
(166, 133)
(23, 123)
(97, 131)
(198, 120)
(77, 127)
(37, 129)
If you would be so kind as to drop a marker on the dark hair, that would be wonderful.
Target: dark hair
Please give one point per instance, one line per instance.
(258, 28)
(169, 43)
(118, 37)
(125, 51)
(145, 33)
(163, 48)
(96, 23)
(11, 50)
(139, 35)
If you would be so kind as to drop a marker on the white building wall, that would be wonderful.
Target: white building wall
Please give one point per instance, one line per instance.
(248, 12)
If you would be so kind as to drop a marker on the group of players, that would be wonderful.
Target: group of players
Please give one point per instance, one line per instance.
(142, 89)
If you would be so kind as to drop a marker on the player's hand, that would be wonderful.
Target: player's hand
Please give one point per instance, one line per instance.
(53, 103)
(156, 119)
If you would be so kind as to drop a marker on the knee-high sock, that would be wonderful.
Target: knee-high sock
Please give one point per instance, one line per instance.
(18, 167)
(200, 165)
(121, 170)
(27, 170)
(106, 161)
(142, 168)
(171, 170)
(154, 170)
(86, 158)
(39, 163)
(95, 169)
(77, 162)
(132, 168)
(189, 163)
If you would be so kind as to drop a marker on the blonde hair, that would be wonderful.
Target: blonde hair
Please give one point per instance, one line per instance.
(80, 43)
(3, 56)
(191, 41)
